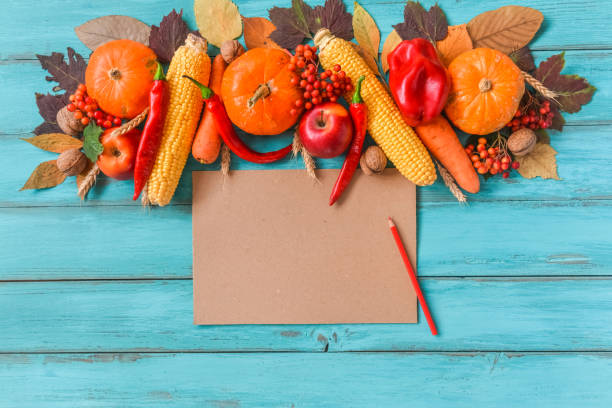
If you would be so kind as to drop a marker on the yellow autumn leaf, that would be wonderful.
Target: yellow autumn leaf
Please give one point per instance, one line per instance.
(367, 57)
(541, 162)
(217, 20)
(257, 32)
(366, 32)
(456, 43)
(393, 39)
(45, 175)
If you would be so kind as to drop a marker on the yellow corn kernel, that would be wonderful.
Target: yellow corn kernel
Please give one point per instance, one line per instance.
(182, 116)
(385, 123)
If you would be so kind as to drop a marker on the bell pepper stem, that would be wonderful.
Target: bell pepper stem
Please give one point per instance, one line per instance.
(159, 73)
(357, 94)
(207, 93)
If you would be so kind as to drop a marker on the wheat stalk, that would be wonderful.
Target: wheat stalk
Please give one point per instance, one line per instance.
(226, 160)
(539, 86)
(309, 162)
(449, 181)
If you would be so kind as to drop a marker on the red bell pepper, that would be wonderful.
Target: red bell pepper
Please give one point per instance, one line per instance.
(420, 84)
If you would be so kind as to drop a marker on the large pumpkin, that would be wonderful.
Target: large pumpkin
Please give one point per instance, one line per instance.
(258, 94)
(486, 90)
(119, 76)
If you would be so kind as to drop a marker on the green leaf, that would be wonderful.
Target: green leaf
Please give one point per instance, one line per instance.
(91, 142)
(573, 90)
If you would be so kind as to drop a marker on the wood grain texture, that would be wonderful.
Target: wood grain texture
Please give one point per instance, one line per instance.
(102, 242)
(548, 339)
(471, 313)
(306, 380)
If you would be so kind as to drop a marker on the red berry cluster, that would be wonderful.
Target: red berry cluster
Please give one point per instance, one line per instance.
(533, 118)
(318, 87)
(85, 108)
(489, 159)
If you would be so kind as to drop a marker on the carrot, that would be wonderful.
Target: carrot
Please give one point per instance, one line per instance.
(207, 142)
(442, 141)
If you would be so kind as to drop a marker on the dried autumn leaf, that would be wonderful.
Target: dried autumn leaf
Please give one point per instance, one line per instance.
(334, 17)
(45, 175)
(456, 43)
(48, 106)
(393, 39)
(573, 91)
(367, 57)
(366, 32)
(101, 30)
(291, 24)
(68, 74)
(523, 59)
(257, 32)
(419, 23)
(54, 142)
(506, 29)
(171, 34)
(541, 162)
(218, 20)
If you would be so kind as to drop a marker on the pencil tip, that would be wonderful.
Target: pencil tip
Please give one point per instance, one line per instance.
(391, 223)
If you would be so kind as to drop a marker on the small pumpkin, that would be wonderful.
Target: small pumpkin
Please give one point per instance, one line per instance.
(258, 94)
(119, 76)
(486, 89)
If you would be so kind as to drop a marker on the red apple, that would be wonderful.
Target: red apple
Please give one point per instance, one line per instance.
(326, 130)
(119, 155)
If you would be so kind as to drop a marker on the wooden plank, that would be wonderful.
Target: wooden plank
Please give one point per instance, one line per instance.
(485, 238)
(581, 161)
(21, 79)
(302, 380)
(512, 314)
(565, 27)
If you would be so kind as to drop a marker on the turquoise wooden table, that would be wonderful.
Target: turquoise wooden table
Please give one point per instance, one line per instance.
(96, 302)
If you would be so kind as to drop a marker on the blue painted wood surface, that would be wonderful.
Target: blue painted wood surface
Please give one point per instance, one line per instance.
(95, 297)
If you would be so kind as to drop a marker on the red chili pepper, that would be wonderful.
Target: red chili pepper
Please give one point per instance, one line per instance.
(419, 82)
(152, 132)
(228, 134)
(359, 114)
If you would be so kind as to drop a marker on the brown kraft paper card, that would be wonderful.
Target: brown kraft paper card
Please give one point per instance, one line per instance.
(268, 249)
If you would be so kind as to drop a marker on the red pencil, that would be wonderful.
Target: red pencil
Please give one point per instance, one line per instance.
(413, 278)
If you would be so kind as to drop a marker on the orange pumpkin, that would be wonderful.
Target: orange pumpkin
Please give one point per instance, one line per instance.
(486, 90)
(119, 76)
(258, 94)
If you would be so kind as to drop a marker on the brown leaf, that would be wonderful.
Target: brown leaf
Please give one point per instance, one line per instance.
(257, 32)
(456, 43)
(541, 162)
(365, 31)
(369, 59)
(54, 142)
(45, 175)
(506, 29)
(393, 39)
(218, 20)
(101, 30)
(81, 176)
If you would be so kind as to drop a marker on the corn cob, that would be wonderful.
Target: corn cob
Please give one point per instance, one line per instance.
(182, 116)
(385, 123)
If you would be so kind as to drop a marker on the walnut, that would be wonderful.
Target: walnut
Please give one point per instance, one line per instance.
(230, 50)
(67, 122)
(522, 142)
(373, 161)
(72, 162)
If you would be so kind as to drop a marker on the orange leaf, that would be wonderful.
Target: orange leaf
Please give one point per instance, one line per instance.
(55, 142)
(257, 32)
(393, 39)
(45, 175)
(456, 42)
(367, 57)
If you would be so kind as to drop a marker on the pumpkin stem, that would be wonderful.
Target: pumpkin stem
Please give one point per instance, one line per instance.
(485, 85)
(115, 74)
(262, 91)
